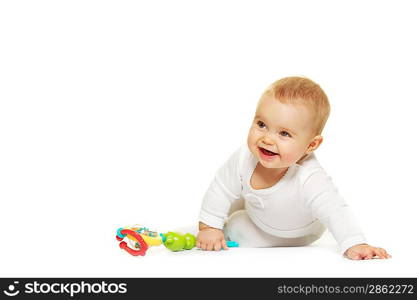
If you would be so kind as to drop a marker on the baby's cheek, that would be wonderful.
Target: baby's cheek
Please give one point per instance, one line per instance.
(252, 139)
(288, 158)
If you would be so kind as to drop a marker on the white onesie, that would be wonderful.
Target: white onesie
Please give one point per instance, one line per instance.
(297, 206)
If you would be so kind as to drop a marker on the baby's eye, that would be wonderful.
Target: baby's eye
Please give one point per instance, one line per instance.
(260, 124)
(285, 133)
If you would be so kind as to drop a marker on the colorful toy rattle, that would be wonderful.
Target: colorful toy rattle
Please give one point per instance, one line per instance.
(136, 240)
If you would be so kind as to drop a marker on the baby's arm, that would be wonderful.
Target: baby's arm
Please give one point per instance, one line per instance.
(325, 202)
(225, 188)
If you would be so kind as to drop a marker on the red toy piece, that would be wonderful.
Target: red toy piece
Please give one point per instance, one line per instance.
(142, 245)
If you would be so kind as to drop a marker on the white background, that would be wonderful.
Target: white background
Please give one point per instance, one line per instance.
(119, 112)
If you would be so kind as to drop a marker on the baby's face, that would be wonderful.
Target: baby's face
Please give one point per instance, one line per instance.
(285, 129)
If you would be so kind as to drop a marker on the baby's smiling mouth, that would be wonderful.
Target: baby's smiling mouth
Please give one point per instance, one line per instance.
(267, 152)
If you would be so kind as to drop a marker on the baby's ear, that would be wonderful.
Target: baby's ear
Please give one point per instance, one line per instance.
(315, 143)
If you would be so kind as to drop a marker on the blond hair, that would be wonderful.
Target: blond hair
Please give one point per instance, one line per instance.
(301, 90)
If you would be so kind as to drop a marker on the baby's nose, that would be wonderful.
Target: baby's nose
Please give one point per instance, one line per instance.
(267, 139)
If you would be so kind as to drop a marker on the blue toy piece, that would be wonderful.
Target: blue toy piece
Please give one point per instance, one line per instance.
(119, 233)
(232, 244)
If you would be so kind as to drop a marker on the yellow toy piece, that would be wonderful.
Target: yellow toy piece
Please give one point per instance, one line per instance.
(151, 238)
(151, 241)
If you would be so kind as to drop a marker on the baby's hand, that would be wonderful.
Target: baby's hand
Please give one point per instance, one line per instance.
(211, 239)
(365, 251)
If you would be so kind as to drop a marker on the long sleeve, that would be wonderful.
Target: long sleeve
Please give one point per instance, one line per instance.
(225, 188)
(322, 197)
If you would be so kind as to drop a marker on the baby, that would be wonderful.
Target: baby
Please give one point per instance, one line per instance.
(272, 191)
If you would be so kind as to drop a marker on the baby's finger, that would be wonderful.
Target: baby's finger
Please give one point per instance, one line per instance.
(359, 255)
(217, 246)
(382, 253)
(209, 246)
(224, 245)
(198, 245)
(206, 246)
(387, 255)
(369, 254)
(379, 253)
